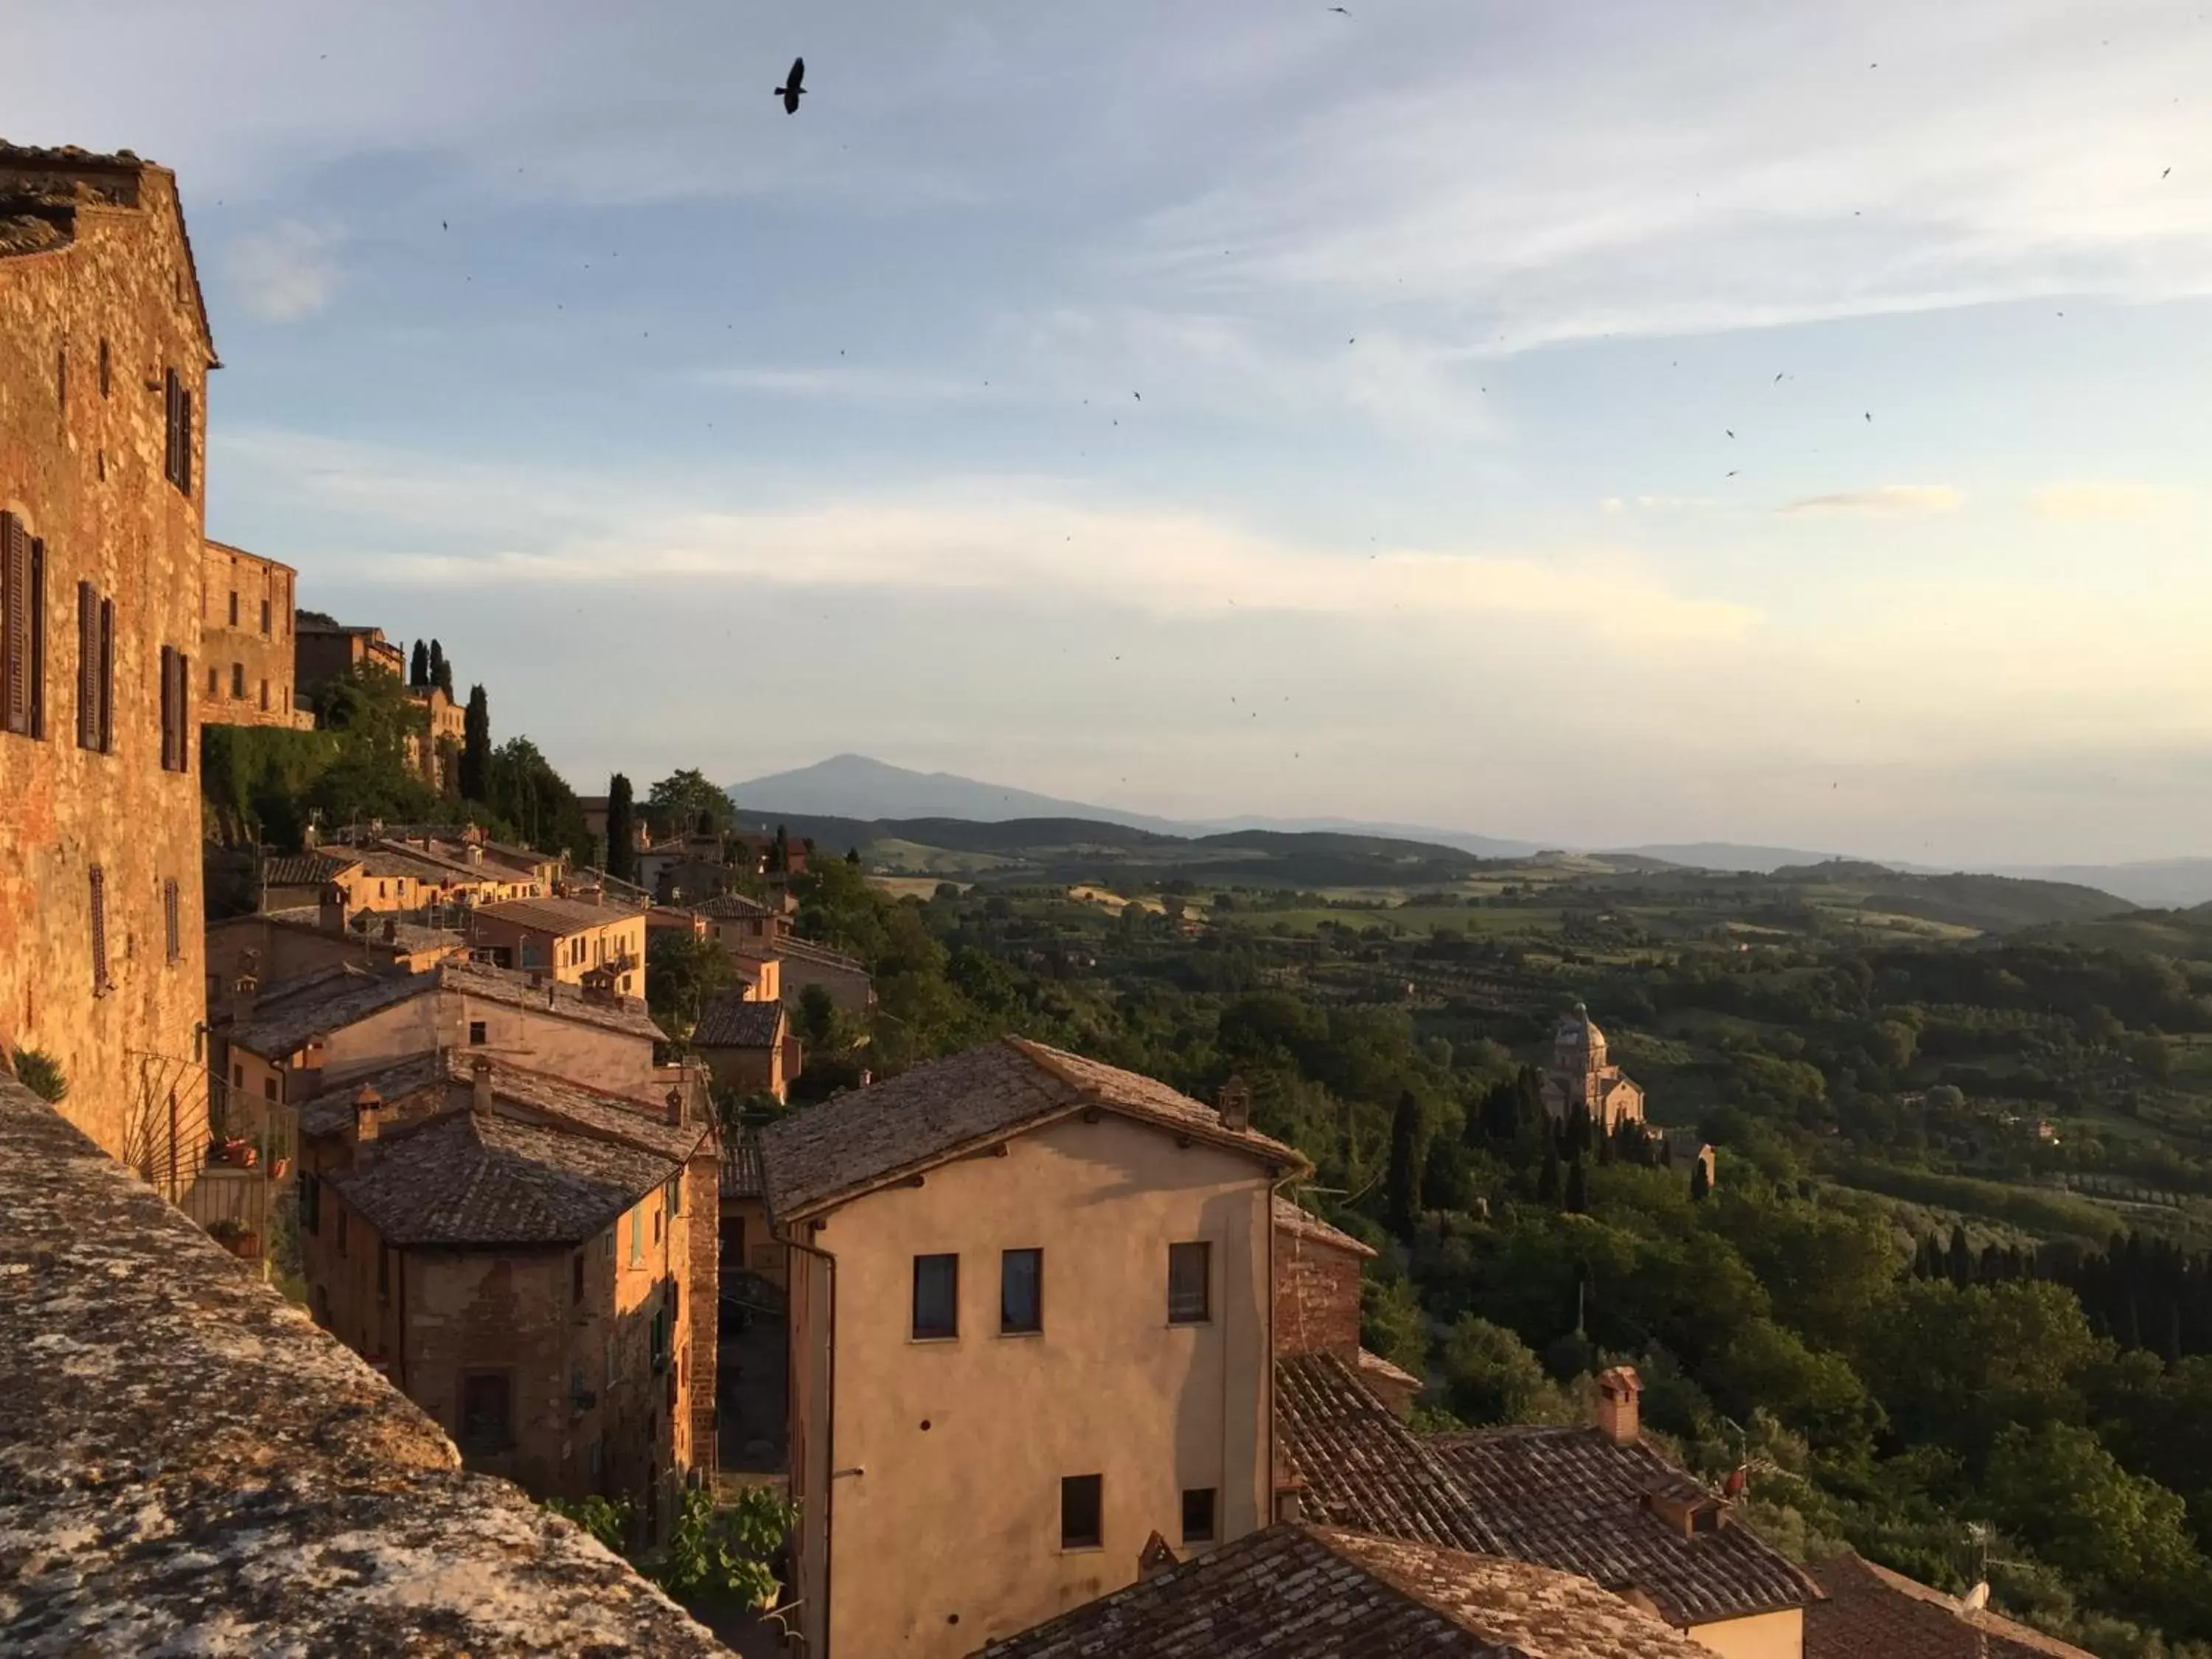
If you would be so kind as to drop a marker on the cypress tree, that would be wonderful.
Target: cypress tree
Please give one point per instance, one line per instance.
(475, 746)
(1400, 1194)
(441, 670)
(1547, 1180)
(418, 670)
(622, 830)
(1701, 1185)
(1961, 1262)
(1578, 1189)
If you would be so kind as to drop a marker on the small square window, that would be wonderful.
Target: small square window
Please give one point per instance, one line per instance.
(477, 1036)
(486, 1425)
(1198, 1514)
(1190, 1274)
(1082, 1524)
(936, 1296)
(1021, 1291)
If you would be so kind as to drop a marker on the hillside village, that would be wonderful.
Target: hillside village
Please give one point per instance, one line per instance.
(415, 1162)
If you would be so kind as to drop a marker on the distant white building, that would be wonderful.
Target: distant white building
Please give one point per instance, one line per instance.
(1580, 1076)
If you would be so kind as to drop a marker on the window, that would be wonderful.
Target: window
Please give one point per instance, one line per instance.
(105, 380)
(215, 681)
(22, 630)
(61, 376)
(637, 1235)
(171, 921)
(269, 1087)
(656, 1226)
(264, 697)
(238, 1074)
(176, 710)
(936, 1296)
(478, 1037)
(311, 1203)
(607, 1245)
(238, 682)
(1021, 1291)
(265, 619)
(99, 986)
(233, 609)
(1198, 1514)
(1190, 1273)
(177, 464)
(384, 1284)
(1081, 1522)
(675, 1194)
(485, 1415)
(96, 670)
(660, 1349)
(576, 1284)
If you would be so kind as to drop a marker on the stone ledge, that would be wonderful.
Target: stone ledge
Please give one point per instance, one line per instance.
(188, 1464)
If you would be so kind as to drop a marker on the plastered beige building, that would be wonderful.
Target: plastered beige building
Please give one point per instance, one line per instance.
(1030, 1316)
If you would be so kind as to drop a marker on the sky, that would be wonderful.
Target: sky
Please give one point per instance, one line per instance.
(1578, 420)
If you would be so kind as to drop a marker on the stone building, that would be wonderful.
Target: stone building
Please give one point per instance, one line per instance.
(328, 649)
(436, 754)
(1581, 1076)
(747, 1044)
(1318, 1270)
(1871, 1610)
(246, 632)
(519, 1255)
(104, 358)
(1030, 1308)
(577, 943)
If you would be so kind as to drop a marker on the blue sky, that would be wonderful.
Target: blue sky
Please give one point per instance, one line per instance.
(1241, 408)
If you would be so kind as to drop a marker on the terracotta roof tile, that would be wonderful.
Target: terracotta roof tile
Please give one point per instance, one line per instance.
(305, 869)
(730, 1022)
(1362, 1468)
(555, 916)
(1290, 1218)
(857, 1142)
(479, 1178)
(1317, 1592)
(1871, 1610)
(1570, 1498)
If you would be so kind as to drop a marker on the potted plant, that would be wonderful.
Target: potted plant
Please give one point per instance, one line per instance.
(235, 1236)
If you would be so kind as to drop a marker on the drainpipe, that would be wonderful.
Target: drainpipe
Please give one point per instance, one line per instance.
(1268, 1516)
(828, 1426)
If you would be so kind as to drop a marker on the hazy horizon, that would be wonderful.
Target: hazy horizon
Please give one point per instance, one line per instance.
(1255, 410)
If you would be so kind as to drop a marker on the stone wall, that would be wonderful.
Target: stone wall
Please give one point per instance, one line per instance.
(246, 679)
(93, 318)
(1317, 1295)
(185, 1461)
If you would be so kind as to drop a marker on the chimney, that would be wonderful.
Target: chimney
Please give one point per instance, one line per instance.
(243, 991)
(366, 1104)
(676, 1107)
(1235, 1104)
(1155, 1558)
(391, 929)
(473, 853)
(1618, 1391)
(335, 912)
(480, 1085)
(1291, 1500)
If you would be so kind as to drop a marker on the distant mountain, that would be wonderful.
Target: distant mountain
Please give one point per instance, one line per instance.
(1727, 855)
(1483, 847)
(855, 787)
(2162, 884)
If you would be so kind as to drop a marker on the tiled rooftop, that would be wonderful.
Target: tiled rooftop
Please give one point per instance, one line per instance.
(1293, 1592)
(484, 1178)
(1871, 1610)
(1570, 1498)
(187, 1465)
(872, 1136)
(305, 869)
(330, 999)
(556, 915)
(1362, 1468)
(1292, 1218)
(727, 906)
(730, 1022)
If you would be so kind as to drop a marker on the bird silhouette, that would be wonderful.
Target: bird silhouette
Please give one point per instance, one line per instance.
(1340, 11)
(2167, 174)
(791, 91)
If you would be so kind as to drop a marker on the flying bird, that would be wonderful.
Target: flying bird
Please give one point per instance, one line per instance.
(791, 91)
(1340, 11)
(2167, 174)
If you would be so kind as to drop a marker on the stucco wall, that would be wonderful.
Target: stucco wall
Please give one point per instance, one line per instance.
(87, 477)
(1762, 1636)
(963, 1442)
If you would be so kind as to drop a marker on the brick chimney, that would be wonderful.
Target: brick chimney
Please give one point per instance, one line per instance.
(1235, 1104)
(675, 1103)
(366, 1105)
(480, 1084)
(1155, 1558)
(1617, 1392)
(244, 990)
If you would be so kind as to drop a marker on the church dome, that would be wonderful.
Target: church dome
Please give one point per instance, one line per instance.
(1577, 1030)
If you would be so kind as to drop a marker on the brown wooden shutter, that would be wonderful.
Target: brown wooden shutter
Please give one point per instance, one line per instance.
(106, 729)
(87, 666)
(38, 725)
(185, 442)
(171, 921)
(185, 724)
(99, 931)
(14, 625)
(169, 708)
(172, 389)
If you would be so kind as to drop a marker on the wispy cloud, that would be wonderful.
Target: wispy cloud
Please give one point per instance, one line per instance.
(285, 272)
(855, 384)
(2108, 503)
(1887, 501)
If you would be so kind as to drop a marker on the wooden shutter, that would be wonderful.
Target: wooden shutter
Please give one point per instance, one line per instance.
(106, 729)
(185, 724)
(185, 442)
(87, 666)
(172, 389)
(172, 922)
(14, 625)
(169, 708)
(38, 628)
(99, 931)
